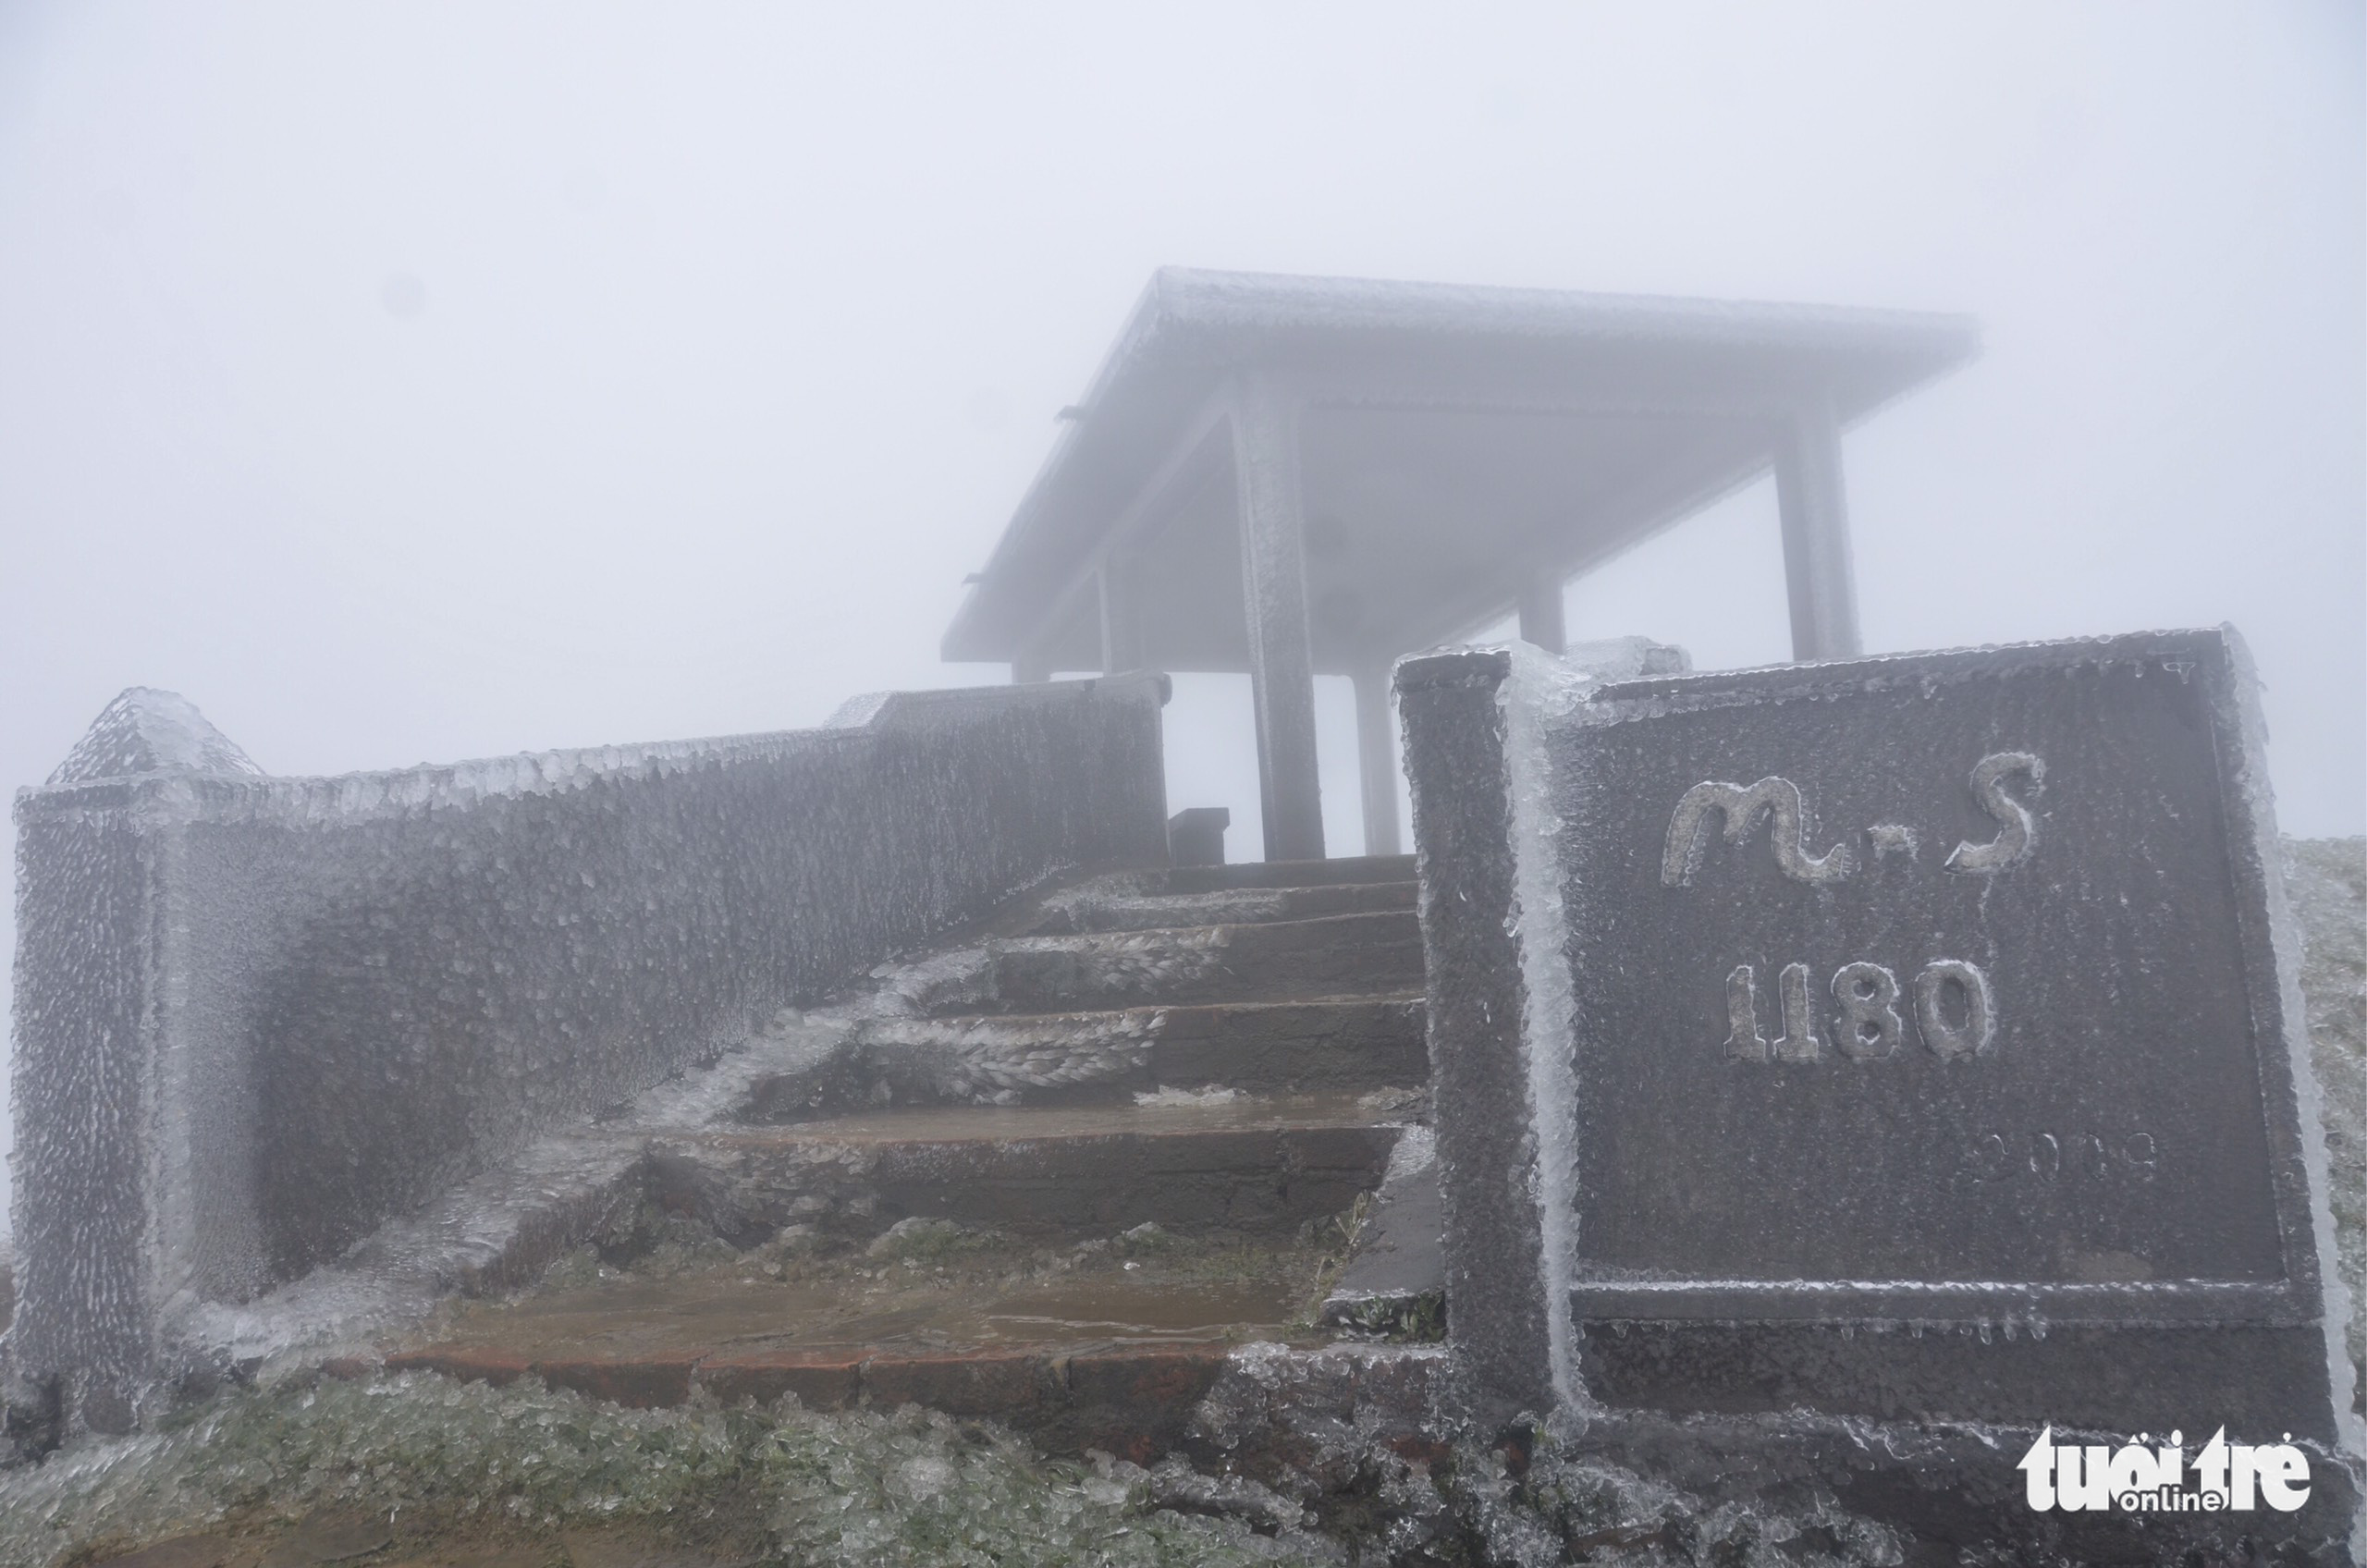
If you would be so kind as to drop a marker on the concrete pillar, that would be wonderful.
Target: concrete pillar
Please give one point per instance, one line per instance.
(1540, 613)
(1377, 761)
(1119, 579)
(1816, 535)
(1273, 592)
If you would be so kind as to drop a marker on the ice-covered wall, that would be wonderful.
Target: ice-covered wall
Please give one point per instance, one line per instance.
(257, 1016)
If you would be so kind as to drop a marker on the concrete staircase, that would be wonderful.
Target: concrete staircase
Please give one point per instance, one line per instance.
(1055, 1171)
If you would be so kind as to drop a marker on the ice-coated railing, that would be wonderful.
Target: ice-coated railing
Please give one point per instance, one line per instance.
(256, 1017)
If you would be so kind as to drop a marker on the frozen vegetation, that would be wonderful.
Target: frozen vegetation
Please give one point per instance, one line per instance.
(466, 1461)
(447, 1463)
(2326, 880)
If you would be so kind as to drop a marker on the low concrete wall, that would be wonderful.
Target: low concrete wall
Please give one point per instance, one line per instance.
(255, 1017)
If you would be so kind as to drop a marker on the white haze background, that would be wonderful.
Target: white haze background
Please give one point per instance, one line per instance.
(413, 382)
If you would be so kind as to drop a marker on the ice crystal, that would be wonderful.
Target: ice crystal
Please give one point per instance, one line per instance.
(858, 1489)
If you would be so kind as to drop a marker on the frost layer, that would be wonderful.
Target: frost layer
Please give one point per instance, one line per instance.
(448, 1462)
(2325, 879)
(259, 1016)
(860, 1489)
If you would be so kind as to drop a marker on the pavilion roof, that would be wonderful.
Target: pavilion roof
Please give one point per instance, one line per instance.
(1454, 438)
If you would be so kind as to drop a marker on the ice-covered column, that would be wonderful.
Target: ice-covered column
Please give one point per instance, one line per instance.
(1499, 1322)
(129, 1188)
(1540, 613)
(1809, 494)
(1273, 592)
(1119, 580)
(1375, 760)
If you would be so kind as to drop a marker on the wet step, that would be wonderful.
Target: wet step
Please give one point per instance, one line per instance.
(1283, 873)
(1341, 1043)
(1108, 1343)
(1331, 955)
(930, 1287)
(1353, 1043)
(1237, 1161)
(1120, 904)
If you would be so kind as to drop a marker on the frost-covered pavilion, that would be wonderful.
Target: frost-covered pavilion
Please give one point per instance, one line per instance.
(1288, 476)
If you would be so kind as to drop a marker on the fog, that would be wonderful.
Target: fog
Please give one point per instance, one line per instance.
(408, 383)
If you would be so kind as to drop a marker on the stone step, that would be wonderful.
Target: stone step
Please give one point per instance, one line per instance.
(1235, 1162)
(1134, 1401)
(935, 1288)
(1331, 955)
(1352, 1042)
(1115, 904)
(1285, 874)
(1108, 1343)
(1356, 1043)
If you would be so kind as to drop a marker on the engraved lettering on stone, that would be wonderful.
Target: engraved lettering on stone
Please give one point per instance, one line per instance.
(1744, 1042)
(1868, 1027)
(1954, 1041)
(2041, 1155)
(1740, 808)
(1800, 1041)
(2016, 825)
(1892, 839)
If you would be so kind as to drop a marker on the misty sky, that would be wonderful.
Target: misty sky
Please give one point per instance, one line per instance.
(407, 383)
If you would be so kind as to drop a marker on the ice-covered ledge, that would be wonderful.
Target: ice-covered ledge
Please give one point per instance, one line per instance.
(256, 1017)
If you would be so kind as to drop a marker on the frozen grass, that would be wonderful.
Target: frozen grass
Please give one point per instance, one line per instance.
(449, 1462)
(1568, 1510)
(858, 1489)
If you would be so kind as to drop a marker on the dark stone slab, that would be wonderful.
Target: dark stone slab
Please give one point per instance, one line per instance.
(1956, 1491)
(1395, 1284)
(1904, 1038)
